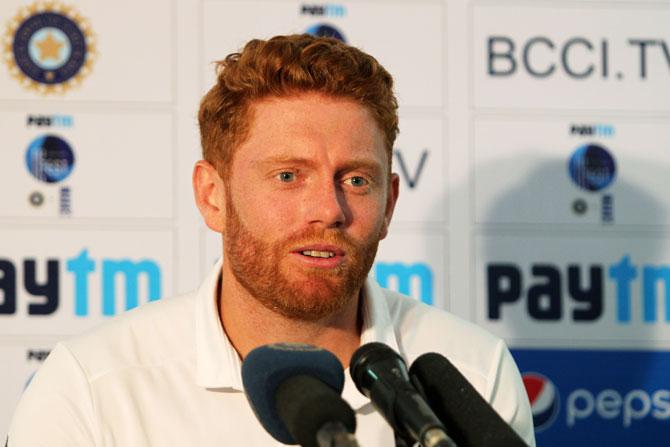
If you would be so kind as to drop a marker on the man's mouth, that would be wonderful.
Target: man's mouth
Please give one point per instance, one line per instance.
(318, 254)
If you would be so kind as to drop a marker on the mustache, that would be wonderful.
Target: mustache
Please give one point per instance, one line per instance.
(321, 236)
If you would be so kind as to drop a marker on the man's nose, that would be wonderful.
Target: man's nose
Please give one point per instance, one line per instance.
(327, 205)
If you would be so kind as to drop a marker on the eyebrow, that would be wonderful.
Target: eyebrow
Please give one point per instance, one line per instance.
(356, 163)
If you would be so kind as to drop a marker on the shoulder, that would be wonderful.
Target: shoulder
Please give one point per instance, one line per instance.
(420, 328)
(480, 356)
(155, 333)
(91, 374)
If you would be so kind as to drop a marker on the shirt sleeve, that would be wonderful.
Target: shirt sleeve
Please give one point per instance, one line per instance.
(56, 409)
(508, 395)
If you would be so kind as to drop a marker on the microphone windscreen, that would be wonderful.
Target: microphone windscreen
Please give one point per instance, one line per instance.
(469, 419)
(306, 404)
(267, 367)
(366, 358)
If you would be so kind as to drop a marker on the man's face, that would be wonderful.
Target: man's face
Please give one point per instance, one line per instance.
(308, 198)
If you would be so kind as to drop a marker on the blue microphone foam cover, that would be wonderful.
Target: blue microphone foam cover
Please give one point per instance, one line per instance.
(266, 367)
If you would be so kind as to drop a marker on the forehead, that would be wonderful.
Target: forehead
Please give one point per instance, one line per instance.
(311, 122)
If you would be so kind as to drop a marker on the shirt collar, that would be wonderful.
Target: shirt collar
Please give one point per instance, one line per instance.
(219, 366)
(217, 363)
(377, 327)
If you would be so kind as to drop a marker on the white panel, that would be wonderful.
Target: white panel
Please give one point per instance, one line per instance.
(405, 37)
(66, 247)
(134, 60)
(595, 41)
(418, 160)
(618, 258)
(123, 166)
(521, 171)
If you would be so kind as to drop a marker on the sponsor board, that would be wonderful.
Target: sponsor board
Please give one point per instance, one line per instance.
(20, 362)
(225, 32)
(87, 165)
(598, 291)
(65, 281)
(551, 56)
(590, 171)
(586, 398)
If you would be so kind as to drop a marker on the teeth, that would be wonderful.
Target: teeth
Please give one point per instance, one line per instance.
(318, 254)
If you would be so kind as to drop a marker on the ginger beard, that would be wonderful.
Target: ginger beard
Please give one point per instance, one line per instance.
(308, 293)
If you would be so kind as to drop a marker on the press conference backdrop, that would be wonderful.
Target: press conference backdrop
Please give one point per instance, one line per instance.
(533, 157)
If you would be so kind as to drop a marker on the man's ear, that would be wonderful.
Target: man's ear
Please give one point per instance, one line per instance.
(391, 199)
(210, 195)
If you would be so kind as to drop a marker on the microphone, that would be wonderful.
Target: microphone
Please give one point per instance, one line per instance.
(294, 390)
(470, 420)
(381, 374)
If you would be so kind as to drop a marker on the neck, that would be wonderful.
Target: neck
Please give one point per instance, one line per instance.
(248, 324)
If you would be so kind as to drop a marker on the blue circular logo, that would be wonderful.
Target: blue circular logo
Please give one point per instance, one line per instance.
(325, 30)
(592, 167)
(50, 159)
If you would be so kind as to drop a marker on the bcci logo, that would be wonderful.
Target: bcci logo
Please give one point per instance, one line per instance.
(50, 159)
(543, 397)
(48, 47)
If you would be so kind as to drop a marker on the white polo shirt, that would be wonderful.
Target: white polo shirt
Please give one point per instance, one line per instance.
(166, 374)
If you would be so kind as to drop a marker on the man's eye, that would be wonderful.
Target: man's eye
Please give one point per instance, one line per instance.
(286, 176)
(356, 181)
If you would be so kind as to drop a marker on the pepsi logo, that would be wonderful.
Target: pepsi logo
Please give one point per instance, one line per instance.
(544, 401)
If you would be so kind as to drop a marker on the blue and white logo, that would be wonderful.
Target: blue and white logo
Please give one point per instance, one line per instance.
(50, 159)
(326, 30)
(592, 167)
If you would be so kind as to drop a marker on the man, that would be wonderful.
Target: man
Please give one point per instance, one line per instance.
(297, 137)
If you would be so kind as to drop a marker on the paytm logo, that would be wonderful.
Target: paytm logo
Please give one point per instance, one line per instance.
(50, 120)
(326, 10)
(80, 267)
(545, 300)
(415, 280)
(592, 130)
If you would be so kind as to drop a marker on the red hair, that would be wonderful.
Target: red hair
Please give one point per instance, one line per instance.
(284, 66)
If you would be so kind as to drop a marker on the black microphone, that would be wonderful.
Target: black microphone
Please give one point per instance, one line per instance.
(294, 390)
(381, 374)
(470, 420)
